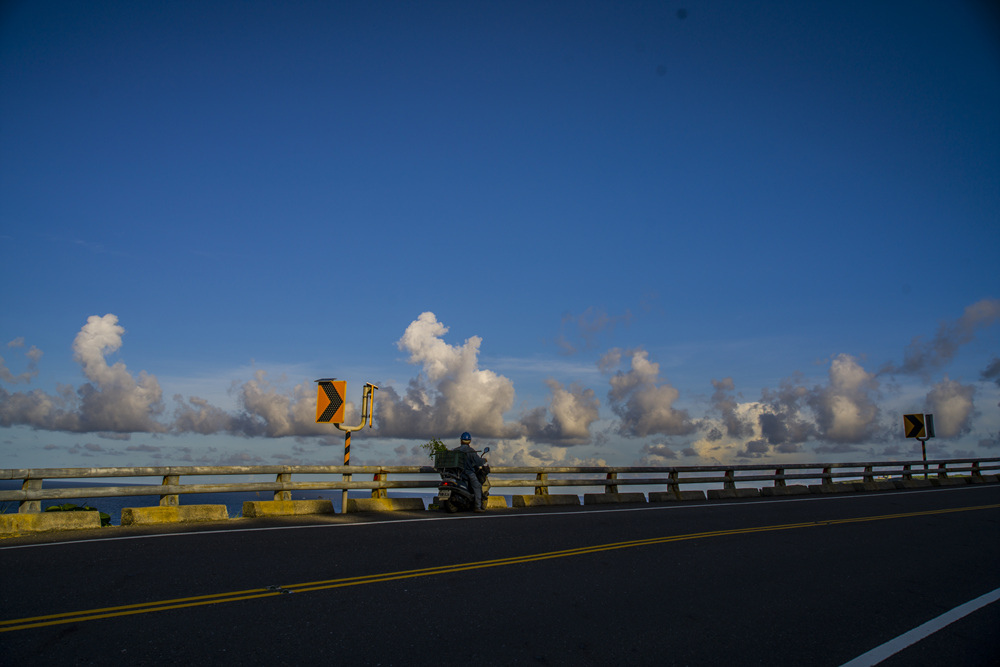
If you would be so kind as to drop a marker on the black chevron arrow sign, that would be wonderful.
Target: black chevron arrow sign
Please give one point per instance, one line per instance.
(913, 425)
(330, 402)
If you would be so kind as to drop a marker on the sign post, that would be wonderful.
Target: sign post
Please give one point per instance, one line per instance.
(330, 404)
(921, 427)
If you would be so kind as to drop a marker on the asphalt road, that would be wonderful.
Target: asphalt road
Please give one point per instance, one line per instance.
(796, 581)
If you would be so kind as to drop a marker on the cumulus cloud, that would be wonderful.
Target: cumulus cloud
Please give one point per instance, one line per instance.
(922, 356)
(451, 394)
(265, 410)
(572, 411)
(992, 371)
(657, 455)
(724, 402)
(523, 452)
(196, 415)
(782, 420)
(113, 400)
(644, 404)
(951, 404)
(846, 411)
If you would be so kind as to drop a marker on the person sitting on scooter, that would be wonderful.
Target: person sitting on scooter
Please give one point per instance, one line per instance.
(472, 461)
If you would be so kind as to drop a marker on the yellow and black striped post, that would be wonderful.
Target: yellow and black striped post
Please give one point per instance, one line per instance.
(329, 409)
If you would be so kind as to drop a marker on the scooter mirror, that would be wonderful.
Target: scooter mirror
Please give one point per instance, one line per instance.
(486, 450)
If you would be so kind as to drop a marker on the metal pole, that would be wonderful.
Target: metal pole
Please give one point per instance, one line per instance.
(923, 449)
(347, 477)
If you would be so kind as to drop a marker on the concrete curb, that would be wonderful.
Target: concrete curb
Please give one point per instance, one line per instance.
(607, 498)
(496, 503)
(790, 490)
(141, 516)
(670, 497)
(912, 483)
(729, 494)
(253, 509)
(37, 522)
(831, 488)
(544, 501)
(384, 504)
(948, 481)
(883, 485)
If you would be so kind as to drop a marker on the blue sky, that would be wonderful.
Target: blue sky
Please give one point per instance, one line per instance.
(661, 233)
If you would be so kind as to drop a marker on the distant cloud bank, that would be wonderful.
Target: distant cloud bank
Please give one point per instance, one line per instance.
(451, 393)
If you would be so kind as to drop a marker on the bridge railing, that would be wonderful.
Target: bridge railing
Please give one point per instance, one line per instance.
(538, 478)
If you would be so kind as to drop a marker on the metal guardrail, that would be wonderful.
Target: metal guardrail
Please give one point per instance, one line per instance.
(538, 478)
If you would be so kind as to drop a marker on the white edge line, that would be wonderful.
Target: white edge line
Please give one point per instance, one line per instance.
(659, 508)
(894, 646)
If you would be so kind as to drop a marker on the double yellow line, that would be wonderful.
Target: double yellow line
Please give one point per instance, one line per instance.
(236, 596)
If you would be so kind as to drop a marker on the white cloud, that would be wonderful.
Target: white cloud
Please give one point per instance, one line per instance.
(113, 401)
(451, 395)
(523, 452)
(572, 411)
(845, 409)
(951, 404)
(643, 406)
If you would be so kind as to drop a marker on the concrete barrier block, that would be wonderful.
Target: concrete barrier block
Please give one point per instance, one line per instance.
(948, 481)
(254, 509)
(912, 483)
(606, 498)
(670, 497)
(830, 488)
(141, 516)
(790, 490)
(37, 522)
(384, 504)
(729, 494)
(496, 503)
(544, 501)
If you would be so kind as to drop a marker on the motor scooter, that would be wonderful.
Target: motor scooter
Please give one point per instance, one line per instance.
(454, 492)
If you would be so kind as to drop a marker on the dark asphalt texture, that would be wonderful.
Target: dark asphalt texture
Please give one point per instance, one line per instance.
(814, 594)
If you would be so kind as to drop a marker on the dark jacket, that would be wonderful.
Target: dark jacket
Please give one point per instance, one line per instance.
(472, 459)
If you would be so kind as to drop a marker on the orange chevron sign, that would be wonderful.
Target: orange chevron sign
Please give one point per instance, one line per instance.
(330, 401)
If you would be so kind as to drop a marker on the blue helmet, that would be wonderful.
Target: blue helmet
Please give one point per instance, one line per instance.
(466, 437)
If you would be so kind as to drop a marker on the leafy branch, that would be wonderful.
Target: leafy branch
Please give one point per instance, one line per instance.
(433, 447)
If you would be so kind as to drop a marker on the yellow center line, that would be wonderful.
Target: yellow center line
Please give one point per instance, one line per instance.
(250, 594)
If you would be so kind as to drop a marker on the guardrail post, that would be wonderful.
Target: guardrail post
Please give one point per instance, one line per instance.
(611, 488)
(907, 472)
(779, 481)
(730, 482)
(542, 490)
(673, 484)
(827, 476)
(170, 499)
(30, 506)
(279, 494)
(869, 474)
(942, 471)
(380, 476)
(976, 472)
